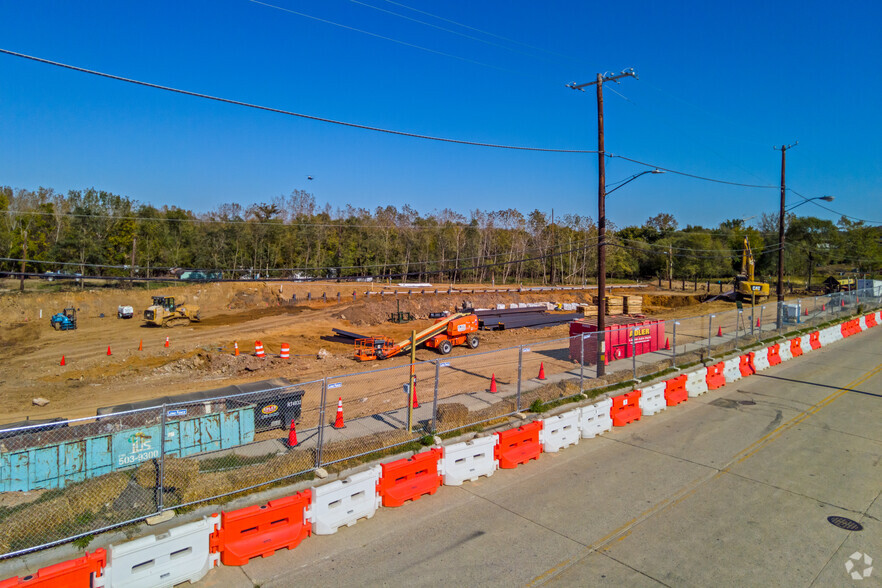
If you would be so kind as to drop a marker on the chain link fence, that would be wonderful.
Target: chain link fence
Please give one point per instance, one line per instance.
(62, 479)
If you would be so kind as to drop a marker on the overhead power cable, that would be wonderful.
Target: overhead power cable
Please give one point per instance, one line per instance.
(688, 175)
(816, 203)
(288, 112)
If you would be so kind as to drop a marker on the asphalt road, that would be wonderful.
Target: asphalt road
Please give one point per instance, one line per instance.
(729, 489)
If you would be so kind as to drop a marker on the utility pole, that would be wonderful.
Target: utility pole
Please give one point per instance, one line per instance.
(24, 256)
(552, 247)
(780, 286)
(601, 213)
(670, 265)
(134, 243)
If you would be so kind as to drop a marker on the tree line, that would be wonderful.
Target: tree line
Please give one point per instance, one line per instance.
(101, 233)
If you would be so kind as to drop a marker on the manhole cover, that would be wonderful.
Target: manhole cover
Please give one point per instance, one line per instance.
(747, 402)
(844, 523)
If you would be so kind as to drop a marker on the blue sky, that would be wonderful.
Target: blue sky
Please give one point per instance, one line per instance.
(720, 85)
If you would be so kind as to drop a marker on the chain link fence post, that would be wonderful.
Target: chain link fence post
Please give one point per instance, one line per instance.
(435, 397)
(674, 347)
(160, 470)
(520, 365)
(320, 441)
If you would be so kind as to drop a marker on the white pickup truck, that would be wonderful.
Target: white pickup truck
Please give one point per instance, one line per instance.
(125, 312)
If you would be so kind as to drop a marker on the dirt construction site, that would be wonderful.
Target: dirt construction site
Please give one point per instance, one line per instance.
(111, 361)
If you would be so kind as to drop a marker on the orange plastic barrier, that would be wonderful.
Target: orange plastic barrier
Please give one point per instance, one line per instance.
(815, 340)
(796, 347)
(746, 365)
(870, 319)
(262, 530)
(675, 391)
(774, 354)
(849, 328)
(715, 378)
(408, 479)
(626, 409)
(518, 446)
(71, 573)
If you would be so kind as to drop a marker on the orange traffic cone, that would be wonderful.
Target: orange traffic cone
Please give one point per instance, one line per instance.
(757, 323)
(292, 435)
(338, 422)
(236, 348)
(415, 403)
(667, 343)
(823, 307)
(806, 312)
(166, 341)
(719, 331)
(258, 349)
(108, 350)
(141, 345)
(62, 360)
(542, 370)
(843, 303)
(493, 383)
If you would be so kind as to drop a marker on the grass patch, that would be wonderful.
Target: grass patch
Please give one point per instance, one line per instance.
(664, 372)
(232, 461)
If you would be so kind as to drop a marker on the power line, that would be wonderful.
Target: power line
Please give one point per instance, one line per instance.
(489, 34)
(815, 202)
(288, 112)
(440, 28)
(378, 36)
(688, 175)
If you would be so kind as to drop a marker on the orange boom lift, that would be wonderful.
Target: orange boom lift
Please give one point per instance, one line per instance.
(456, 329)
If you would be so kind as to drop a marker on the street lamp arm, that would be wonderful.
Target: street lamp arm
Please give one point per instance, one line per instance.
(807, 200)
(634, 177)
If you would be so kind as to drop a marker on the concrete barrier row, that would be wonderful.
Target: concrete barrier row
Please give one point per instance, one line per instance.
(188, 552)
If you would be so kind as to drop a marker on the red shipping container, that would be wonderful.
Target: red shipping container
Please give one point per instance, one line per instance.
(648, 335)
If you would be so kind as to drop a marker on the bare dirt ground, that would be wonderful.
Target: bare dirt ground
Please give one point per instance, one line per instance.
(199, 356)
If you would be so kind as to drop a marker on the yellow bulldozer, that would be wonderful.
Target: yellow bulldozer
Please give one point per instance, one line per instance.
(164, 313)
(746, 286)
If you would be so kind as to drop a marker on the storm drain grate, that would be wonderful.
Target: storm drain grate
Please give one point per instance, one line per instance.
(844, 523)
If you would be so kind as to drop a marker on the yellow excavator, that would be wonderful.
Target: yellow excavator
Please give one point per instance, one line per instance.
(746, 287)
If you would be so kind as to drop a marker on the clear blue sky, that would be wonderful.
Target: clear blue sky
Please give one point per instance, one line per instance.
(720, 84)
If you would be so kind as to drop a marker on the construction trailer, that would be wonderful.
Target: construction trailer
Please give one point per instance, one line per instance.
(456, 329)
(625, 336)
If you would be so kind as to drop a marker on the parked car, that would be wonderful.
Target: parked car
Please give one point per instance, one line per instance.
(125, 312)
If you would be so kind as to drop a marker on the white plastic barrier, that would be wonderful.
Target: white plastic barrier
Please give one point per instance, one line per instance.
(696, 383)
(469, 460)
(863, 323)
(343, 502)
(805, 343)
(784, 350)
(879, 318)
(162, 561)
(732, 369)
(834, 334)
(761, 359)
(652, 399)
(560, 431)
(596, 419)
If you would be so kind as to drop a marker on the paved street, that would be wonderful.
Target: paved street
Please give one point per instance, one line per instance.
(732, 488)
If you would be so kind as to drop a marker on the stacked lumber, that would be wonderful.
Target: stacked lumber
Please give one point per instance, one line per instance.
(633, 304)
(587, 309)
(615, 305)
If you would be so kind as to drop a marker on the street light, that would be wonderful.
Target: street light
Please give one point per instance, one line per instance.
(634, 177)
(824, 198)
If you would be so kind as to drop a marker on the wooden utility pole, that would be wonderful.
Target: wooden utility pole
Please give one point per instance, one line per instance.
(601, 213)
(134, 244)
(670, 265)
(552, 247)
(780, 286)
(24, 256)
